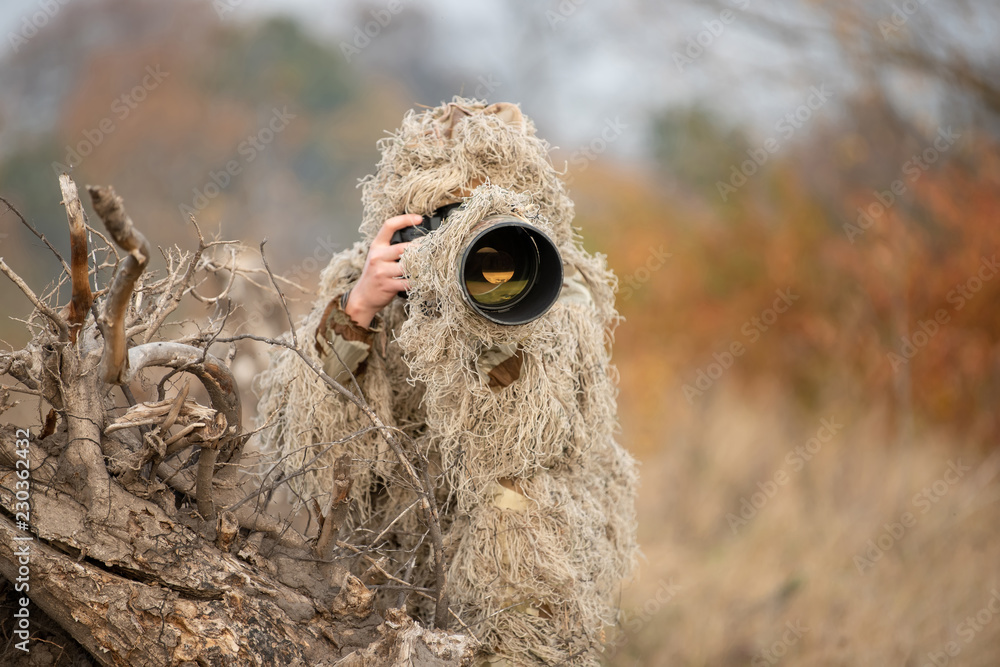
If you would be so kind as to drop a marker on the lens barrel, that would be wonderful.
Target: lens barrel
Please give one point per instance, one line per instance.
(511, 271)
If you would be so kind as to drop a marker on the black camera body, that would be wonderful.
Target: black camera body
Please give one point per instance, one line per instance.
(428, 224)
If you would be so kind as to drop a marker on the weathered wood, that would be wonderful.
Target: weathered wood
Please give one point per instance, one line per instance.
(216, 377)
(141, 589)
(80, 392)
(122, 620)
(336, 509)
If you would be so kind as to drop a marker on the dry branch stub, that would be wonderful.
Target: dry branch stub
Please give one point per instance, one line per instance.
(111, 209)
(79, 306)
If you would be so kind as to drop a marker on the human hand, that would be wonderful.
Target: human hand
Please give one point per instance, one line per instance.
(382, 276)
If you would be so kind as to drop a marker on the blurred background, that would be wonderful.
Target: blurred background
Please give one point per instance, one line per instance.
(801, 200)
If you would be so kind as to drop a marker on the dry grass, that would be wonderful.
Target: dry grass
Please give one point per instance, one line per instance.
(794, 562)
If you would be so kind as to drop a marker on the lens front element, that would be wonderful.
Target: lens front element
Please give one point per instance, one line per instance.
(501, 267)
(511, 271)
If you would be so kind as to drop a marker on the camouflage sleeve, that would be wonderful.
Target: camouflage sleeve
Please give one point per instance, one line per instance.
(342, 344)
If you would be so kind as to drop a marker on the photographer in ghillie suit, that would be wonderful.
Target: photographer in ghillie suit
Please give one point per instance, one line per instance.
(537, 499)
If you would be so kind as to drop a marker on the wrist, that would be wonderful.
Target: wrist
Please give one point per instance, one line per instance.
(360, 312)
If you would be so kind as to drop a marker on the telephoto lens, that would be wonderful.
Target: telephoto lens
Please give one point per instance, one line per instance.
(511, 271)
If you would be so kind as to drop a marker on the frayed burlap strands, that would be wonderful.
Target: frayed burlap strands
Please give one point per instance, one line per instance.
(542, 573)
(542, 577)
(537, 497)
(443, 337)
(439, 156)
(309, 418)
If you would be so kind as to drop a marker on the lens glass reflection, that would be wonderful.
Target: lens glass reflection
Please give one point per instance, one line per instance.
(501, 267)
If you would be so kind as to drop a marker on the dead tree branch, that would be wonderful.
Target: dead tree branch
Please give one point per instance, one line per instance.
(79, 306)
(111, 210)
(221, 386)
(214, 375)
(172, 295)
(336, 509)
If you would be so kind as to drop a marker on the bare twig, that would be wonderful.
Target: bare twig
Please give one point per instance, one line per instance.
(233, 272)
(54, 317)
(172, 297)
(393, 522)
(80, 273)
(37, 233)
(281, 296)
(303, 469)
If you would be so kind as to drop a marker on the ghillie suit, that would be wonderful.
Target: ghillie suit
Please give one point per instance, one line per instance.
(536, 497)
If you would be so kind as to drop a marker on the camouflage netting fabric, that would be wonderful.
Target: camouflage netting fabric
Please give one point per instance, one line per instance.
(537, 498)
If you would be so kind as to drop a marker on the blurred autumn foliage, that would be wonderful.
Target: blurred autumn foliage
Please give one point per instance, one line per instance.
(896, 305)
